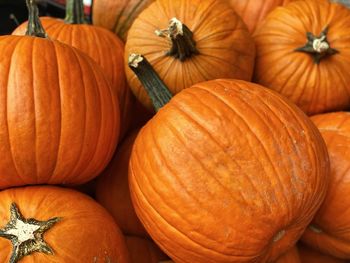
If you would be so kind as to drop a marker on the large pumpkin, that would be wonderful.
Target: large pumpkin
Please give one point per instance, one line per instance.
(227, 171)
(49, 224)
(308, 255)
(112, 190)
(330, 229)
(59, 117)
(303, 52)
(205, 40)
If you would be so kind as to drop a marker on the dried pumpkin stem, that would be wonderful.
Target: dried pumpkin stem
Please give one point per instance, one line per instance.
(75, 12)
(318, 46)
(181, 37)
(35, 27)
(155, 87)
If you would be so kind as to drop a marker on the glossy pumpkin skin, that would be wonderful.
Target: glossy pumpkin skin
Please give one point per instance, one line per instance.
(292, 256)
(308, 255)
(330, 229)
(117, 16)
(59, 116)
(103, 47)
(316, 88)
(253, 12)
(112, 190)
(227, 171)
(84, 223)
(226, 49)
(143, 250)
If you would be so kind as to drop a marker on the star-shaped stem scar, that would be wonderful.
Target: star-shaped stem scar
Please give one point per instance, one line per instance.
(26, 235)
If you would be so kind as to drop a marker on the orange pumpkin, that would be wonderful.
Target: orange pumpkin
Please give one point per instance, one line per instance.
(253, 12)
(112, 190)
(100, 44)
(330, 229)
(303, 52)
(292, 256)
(52, 224)
(308, 255)
(117, 16)
(59, 117)
(226, 171)
(205, 40)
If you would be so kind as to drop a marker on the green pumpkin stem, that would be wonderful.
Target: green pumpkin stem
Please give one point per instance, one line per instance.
(75, 12)
(35, 27)
(318, 46)
(155, 87)
(181, 37)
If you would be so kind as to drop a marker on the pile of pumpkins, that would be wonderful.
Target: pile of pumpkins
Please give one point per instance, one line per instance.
(194, 131)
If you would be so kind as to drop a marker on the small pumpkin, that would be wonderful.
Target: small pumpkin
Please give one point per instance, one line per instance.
(226, 171)
(52, 224)
(303, 52)
(59, 117)
(309, 255)
(117, 16)
(330, 229)
(291, 256)
(205, 39)
(112, 190)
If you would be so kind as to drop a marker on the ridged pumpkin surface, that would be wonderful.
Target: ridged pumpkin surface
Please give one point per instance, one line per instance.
(292, 256)
(227, 172)
(84, 233)
(316, 88)
(308, 255)
(330, 229)
(226, 49)
(59, 118)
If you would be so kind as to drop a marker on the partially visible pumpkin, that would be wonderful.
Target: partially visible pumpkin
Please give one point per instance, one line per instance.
(292, 256)
(303, 52)
(309, 255)
(58, 225)
(329, 231)
(205, 40)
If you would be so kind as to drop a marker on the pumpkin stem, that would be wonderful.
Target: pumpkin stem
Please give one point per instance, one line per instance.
(181, 37)
(318, 46)
(35, 27)
(75, 12)
(155, 87)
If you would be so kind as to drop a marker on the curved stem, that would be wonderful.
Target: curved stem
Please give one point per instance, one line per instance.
(75, 12)
(155, 87)
(35, 27)
(181, 37)
(318, 46)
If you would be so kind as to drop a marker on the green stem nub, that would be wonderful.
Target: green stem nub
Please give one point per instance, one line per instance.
(155, 87)
(183, 45)
(318, 46)
(75, 12)
(35, 27)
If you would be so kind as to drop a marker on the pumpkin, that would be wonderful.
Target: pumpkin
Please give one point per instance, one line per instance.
(309, 255)
(226, 171)
(117, 16)
(99, 43)
(143, 250)
(59, 117)
(112, 190)
(303, 52)
(253, 12)
(330, 229)
(52, 224)
(292, 256)
(205, 40)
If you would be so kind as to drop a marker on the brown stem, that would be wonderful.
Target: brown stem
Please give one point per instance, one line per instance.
(35, 27)
(75, 12)
(181, 37)
(318, 46)
(155, 87)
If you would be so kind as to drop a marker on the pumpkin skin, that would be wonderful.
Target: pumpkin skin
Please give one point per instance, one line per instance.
(112, 190)
(103, 47)
(117, 16)
(330, 229)
(234, 204)
(253, 12)
(292, 256)
(143, 250)
(84, 223)
(315, 88)
(221, 39)
(59, 116)
(308, 255)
